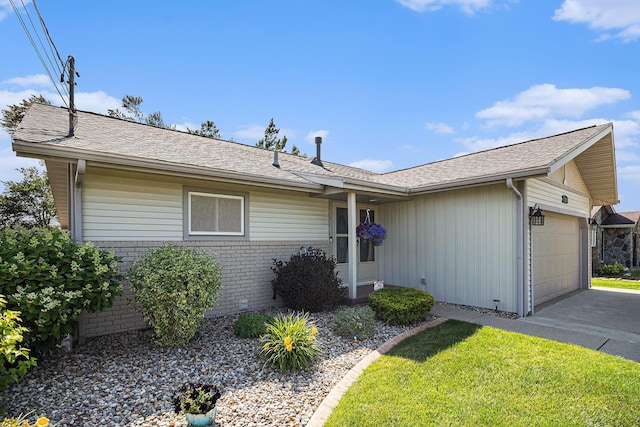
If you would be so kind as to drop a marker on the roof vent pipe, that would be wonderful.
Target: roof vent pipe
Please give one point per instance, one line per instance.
(275, 159)
(317, 160)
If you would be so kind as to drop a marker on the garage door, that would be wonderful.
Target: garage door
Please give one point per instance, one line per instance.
(556, 257)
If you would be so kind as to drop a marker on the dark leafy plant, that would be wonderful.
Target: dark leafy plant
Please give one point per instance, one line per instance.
(399, 306)
(252, 325)
(195, 398)
(175, 285)
(355, 323)
(50, 280)
(308, 282)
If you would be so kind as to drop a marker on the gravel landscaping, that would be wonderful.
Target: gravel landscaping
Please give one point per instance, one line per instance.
(125, 380)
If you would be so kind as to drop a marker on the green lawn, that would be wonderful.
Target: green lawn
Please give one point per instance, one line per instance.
(616, 283)
(460, 374)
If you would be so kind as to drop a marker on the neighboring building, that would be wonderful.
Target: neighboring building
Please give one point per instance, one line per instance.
(617, 237)
(459, 228)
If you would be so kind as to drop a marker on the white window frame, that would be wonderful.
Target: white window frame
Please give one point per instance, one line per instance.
(217, 196)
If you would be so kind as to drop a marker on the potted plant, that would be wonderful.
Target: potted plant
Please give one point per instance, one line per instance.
(370, 230)
(197, 402)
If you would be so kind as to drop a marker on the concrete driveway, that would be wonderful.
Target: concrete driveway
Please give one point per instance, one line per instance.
(602, 319)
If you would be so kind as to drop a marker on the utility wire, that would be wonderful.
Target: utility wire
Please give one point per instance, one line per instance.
(35, 47)
(55, 66)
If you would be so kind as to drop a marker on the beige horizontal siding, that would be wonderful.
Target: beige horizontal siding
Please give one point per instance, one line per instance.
(569, 175)
(550, 195)
(135, 206)
(281, 216)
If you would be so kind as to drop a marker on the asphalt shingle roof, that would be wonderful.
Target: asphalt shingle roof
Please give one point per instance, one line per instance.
(119, 139)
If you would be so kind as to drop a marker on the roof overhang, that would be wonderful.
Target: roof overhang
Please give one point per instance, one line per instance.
(113, 161)
(596, 161)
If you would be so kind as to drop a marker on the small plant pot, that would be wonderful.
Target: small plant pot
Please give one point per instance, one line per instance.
(201, 419)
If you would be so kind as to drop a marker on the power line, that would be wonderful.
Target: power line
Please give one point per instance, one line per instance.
(35, 47)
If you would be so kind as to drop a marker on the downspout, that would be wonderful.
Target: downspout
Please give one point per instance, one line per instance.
(519, 245)
(76, 233)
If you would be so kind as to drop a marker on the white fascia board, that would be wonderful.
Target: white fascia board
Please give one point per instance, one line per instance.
(475, 182)
(576, 151)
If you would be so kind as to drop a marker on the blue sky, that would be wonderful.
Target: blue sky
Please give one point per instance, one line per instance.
(388, 84)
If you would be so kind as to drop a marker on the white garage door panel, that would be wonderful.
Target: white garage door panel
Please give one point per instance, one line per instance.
(556, 257)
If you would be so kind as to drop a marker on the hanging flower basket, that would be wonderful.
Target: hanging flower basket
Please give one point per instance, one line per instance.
(370, 230)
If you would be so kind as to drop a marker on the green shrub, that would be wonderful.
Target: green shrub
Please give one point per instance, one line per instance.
(175, 286)
(290, 343)
(356, 323)
(615, 269)
(15, 360)
(252, 325)
(400, 306)
(50, 280)
(308, 282)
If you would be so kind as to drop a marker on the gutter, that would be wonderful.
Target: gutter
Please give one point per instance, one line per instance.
(519, 246)
(495, 179)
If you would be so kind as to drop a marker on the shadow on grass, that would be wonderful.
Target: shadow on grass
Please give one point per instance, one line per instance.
(431, 341)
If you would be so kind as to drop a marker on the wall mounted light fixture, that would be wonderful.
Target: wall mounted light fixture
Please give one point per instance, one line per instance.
(536, 216)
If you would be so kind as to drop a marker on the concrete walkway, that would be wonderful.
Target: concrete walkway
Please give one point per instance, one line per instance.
(602, 319)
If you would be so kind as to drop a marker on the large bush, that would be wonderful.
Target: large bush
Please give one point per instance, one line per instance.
(175, 286)
(50, 280)
(399, 306)
(308, 282)
(14, 359)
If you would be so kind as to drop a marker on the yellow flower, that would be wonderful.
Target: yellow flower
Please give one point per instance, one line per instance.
(314, 331)
(289, 347)
(25, 423)
(287, 341)
(42, 422)
(265, 346)
(312, 337)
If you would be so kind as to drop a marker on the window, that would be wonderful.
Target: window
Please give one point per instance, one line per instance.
(212, 214)
(366, 248)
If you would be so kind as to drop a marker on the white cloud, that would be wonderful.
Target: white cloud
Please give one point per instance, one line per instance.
(467, 6)
(41, 80)
(626, 133)
(251, 132)
(546, 128)
(635, 115)
(98, 102)
(620, 16)
(6, 9)
(544, 101)
(311, 136)
(9, 162)
(630, 173)
(378, 166)
(627, 156)
(185, 126)
(442, 128)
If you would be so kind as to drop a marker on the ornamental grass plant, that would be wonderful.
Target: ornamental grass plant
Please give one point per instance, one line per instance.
(290, 342)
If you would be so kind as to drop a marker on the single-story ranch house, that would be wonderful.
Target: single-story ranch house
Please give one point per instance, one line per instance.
(464, 229)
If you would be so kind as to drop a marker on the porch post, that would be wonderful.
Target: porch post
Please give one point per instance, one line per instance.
(353, 248)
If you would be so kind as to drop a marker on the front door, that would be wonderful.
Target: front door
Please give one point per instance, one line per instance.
(367, 252)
